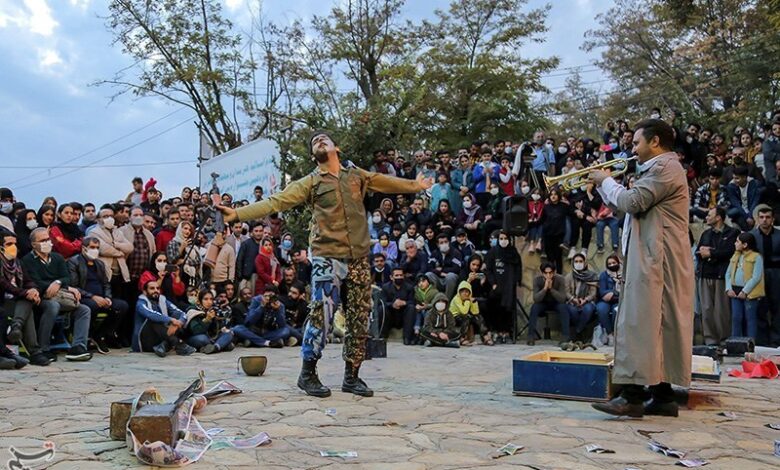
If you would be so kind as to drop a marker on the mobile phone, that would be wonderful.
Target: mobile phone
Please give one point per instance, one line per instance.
(481, 275)
(169, 268)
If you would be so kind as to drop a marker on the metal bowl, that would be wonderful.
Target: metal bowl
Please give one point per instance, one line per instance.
(253, 365)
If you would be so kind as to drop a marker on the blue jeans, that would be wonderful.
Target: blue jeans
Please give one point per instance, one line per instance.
(244, 333)
(614, 231)
(535, 232)
(744, 317)
(606, 312)
(50, 309)
(580, 316)
(222, 341)
(539, 308)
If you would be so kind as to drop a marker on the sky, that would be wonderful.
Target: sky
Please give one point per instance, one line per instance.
(61, 137)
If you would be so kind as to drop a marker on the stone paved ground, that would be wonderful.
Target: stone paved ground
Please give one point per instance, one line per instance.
(434, 409)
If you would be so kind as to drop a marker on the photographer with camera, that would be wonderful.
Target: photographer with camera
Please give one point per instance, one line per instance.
(207, 326)
(266, 323)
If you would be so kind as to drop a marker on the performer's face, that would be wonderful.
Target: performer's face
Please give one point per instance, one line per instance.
(321, 147)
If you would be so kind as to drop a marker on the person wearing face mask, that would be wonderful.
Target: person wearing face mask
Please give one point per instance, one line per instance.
(554, 223)
(6, 209)
(506, 179)
(19, 299)
(503, 270)
(561, 156)
(388, 248)
(168, 278)
(439, 328)
(471, 218)
(446, 262)
(543, 160)
(535, 214)
(494, 216)
(88, 274)
(143, 248)
(581, 291)
(26, 222)
(49, 272)
(610, 285)
(378, 226)
(114, 249)
(399, 303)
(285, 249)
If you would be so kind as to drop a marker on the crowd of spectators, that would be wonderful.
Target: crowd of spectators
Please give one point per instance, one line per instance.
(156, 274)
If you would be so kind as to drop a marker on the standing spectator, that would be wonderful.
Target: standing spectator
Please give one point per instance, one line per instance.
(549, 294)
(168, 231)
(442, 190)
(138, 259)
(159, 324)
(246, 273)
(89, 276)
(65, 234)
(605, 217)
(134, 197)
(543, 162)
(581, 220)
(745, 286)
(743, 195)
(114, 249)
(610, 285)
(6, 209)
(152, 203)
(535, 212)
(236, 237)
(50, 274)
(224, 269)
(771, 151)
(768, 245)
(20, 298)
(504, 269)
(398, 297)
(182, 252)
(485, 172)
(258, 192)
(554, 219)
(713, 253)
(302, 265)
(507, 180)
(45, 216)
(581, 290)
(267, 266)
(285, 249)
(26, 222)
(462, 179)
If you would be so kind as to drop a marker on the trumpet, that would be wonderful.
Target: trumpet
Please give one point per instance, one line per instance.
(578, 179)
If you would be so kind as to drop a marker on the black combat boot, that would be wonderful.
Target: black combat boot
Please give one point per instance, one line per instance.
(353, 383)
(309, 382)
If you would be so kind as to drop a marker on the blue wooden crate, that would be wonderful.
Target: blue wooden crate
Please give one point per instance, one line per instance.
(562, 374)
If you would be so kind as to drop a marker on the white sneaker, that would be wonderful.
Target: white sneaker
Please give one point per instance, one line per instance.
(584, 252)
(610, 340)
(572, 252)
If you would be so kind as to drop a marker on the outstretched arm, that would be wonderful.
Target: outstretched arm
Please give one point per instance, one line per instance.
(390, 184)
(293, 195)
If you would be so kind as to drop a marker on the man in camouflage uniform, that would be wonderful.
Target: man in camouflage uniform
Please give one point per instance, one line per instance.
(339, 243)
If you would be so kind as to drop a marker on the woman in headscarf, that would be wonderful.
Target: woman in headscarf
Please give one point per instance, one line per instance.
(181, 251)
(443, 219)
(285, 249)
(378, 226)
(45, 216)
(65, 233)
(208, 329)
(610, 285)
(471, 218)
(581, 290)
(388, 211)
(267, 266)
(26, 222)
(504, 270)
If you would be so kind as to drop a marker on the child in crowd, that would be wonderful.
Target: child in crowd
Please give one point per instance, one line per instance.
(440, 328)
(424, 295)
(466, 313)
(535, 211)
(745, 286)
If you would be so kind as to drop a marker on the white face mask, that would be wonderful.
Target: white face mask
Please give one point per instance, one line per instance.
(467, 203)
(6, 207)
(440, 306)
(137, 220)
(160, 266)
(525, 189)
(503, 243)
(655, 116)
(108, 223)
(579, 266)
(32, 224)
(535, 197)
(444, 247)
(93, 253)
(376, 219)
(493, 191)
(45, 247)
(562, 149)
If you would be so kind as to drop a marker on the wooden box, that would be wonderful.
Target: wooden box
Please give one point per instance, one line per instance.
(155, 422)
(120, 414)
(583, 376)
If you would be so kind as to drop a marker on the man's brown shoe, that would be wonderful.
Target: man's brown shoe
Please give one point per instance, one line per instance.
(619, 406)
(657, 408)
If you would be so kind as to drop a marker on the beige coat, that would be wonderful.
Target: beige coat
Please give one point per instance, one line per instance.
(654, 325)
(225, 267)
(129, 232)
(114, 248)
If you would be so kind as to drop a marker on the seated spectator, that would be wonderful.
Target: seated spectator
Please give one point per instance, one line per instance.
(65, 233)
(549, 294)
(466, 312)
(462, 242)
(419, 214)
(444, 218)
(208, 329)
(267, 266)
(20, 298)
(395, 234)
(610, 285)
(380, 273)
(413, 261)
(6, 209)
(378, 226)
(440, 328)
(88, 275)
(710, 194)
(429, 238)
(241, 307)
(26, 222)
(471, 217)
(398, 299)
(167, 277)
(388, 248)
(446, 263)
(388, 210)
(423, 299)
(744, 194)
(295, 306)
(266, 323)
(745, 286)
(581, 290)
(50, 274)
(159, 324)
(411, 234)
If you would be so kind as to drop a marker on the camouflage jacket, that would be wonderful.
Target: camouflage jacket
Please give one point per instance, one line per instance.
(339, 226)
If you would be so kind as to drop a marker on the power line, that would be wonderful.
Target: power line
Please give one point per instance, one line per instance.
(89, 152)
(189, 118)
(89, 167)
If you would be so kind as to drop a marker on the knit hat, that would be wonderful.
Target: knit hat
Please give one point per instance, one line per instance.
(315, 134)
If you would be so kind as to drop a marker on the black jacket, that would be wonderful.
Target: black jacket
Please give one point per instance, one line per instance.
(77, 265)
(722, 244)
(245, 260)
(452, 262)
(390, 293)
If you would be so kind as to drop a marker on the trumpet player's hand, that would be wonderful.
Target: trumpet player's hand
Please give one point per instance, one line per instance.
(597, 177)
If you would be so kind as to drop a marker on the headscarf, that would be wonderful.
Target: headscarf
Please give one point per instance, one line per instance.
(23, 233)
(509, 254)
(271, 256)
(472, 212)
(192, 255)
(392, 207)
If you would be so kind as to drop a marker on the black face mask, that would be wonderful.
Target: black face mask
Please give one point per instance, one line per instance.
(613, 267)
(398, 282)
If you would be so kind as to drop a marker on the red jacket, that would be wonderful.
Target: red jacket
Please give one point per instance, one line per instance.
(264, 273)
(179, 289)
(164, 236)
(62, 245)
(507, 188)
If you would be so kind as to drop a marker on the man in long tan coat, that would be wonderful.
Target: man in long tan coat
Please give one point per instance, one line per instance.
(653, 334)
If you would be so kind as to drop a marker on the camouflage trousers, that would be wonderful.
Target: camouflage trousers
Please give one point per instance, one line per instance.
(328, 277)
